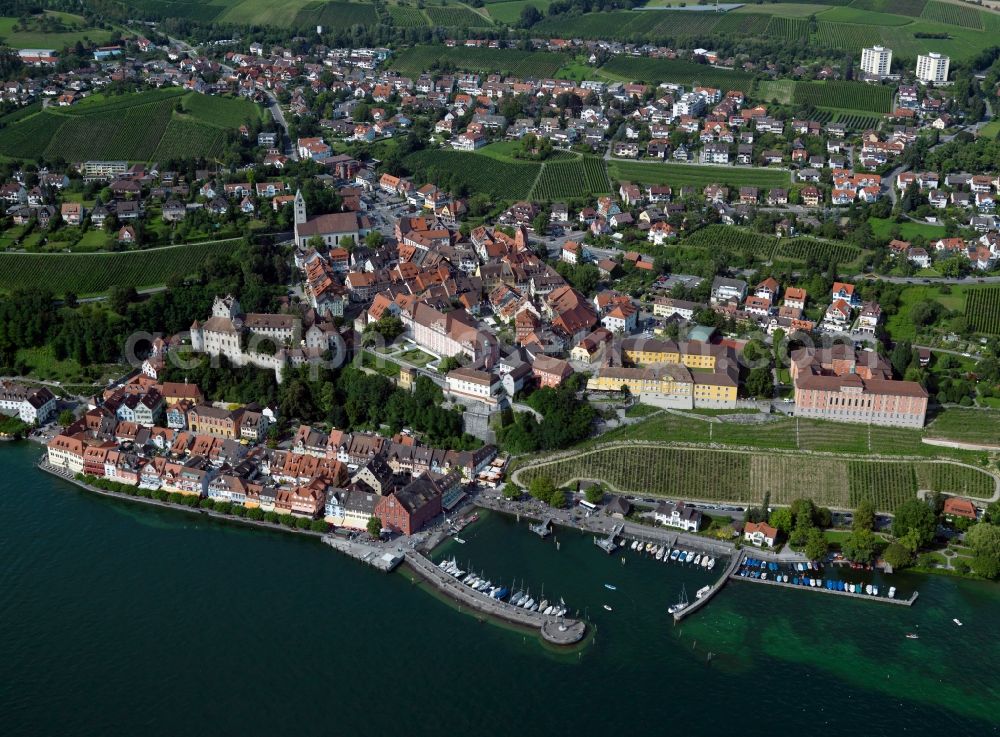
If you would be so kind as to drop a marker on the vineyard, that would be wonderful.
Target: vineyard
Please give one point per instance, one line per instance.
(766, 247)
(953, 15)
(847, 36)
(567, 179)
(334, 15)
(982, 310)
(739, 476)
(97, 272)
(806, 249)
(845, 96)
(457, 171)
(791, 29)
(455, 17)
(417, 59)
(743, 24)
(949, 478)
(912, 8)
(853, 121)
(131, 127)
(654, 71)
(886, 485)
(406, 16)
(684, 175)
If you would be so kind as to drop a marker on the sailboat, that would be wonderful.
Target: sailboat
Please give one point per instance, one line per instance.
(682, 602)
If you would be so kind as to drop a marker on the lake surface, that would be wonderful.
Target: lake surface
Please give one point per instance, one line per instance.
(121, 619)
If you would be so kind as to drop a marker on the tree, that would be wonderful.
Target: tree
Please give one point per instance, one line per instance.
(897, 555)
(530, 15)
(541, 487)
(511, 491)
(66, 417)
(594, 494)
(120, 297)
(781, 519)
(861, 546)
(915, 519)
(374, 239)
(557, 498)
(901, 357)
(374, 526)
(864, 516)
(816, 545)
(984, 539)
(759, 383)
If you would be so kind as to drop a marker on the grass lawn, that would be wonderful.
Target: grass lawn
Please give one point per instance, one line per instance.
(836, 537)
(78, 30)
(417, 357)
(909, 230)
(990, 130)
(510, 12)
(641, 410)
(900, 327)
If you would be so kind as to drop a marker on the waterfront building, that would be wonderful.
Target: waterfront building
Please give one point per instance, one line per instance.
(678, 515)
(33, 405)
(760, 533)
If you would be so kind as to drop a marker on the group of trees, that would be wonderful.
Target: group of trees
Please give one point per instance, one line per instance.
(566, 420)
(803, 522)
(542, 489)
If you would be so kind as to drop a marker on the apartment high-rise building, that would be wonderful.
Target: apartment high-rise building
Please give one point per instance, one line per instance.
(933, 67)
(876, 61)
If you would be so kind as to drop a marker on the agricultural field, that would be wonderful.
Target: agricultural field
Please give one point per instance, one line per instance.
(457, 170)
(982, 309)
(456, 16)
(412, 61)
(804, 249)
(845, 96)
(901, 327)
(680, 175)
(747, 24)
(949, 478)
(908, 230)
(93, 273)
(510, 11)
(580, 177)
(133, 127)
(654, 71)
(31, 36)
(953, 15)
(912, 8)
(847, 36)
(791, 29)
(734, 239)
(407, 16)
(886, 485)
(742, 476)
(971, 425)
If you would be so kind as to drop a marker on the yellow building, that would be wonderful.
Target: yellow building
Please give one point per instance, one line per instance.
(694, 354)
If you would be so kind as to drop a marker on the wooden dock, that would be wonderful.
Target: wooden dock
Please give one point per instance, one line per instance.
(556, 630)
(825, 590)
(697, 604)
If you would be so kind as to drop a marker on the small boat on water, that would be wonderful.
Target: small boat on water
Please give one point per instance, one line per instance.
(690, 557)
(874, 590)
(892, 592)
(634, 544)
(704, 560)
(957, 621)
(697, 559)
(912, 636)
(459, 540)
(868, 589)
(659, 553)
(711, 563)
(608, 608)
(702, 591)
(674, 554)
(763, 575)
(610, 587)
(682, 602)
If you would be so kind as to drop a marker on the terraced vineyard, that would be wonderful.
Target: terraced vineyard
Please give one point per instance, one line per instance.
(982, 310)
(97, 272)
(953, 15)
(455, 171)
(912, 8)
(654, 71)
(681, 175)
(335, 15)
(748, 24)
(841, 95)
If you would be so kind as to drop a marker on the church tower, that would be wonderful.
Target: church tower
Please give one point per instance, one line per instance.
(300, 213)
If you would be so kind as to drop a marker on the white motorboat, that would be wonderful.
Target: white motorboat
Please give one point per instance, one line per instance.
(608, 608)
(634, 544)
(702, 591)
(868, 589)
(892, 592)
(711, 563)
(957, 621)
(697, 559)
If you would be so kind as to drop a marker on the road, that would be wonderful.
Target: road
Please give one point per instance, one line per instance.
(969, 280)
